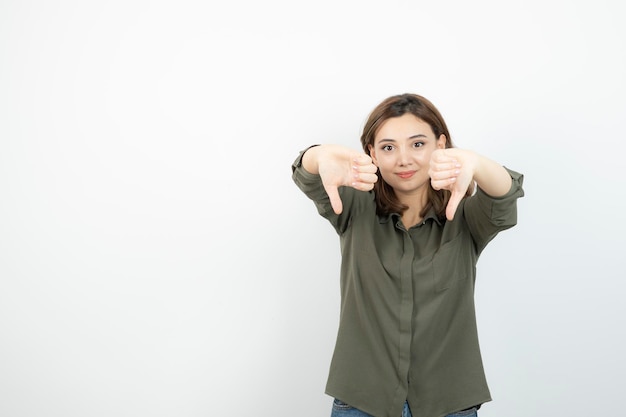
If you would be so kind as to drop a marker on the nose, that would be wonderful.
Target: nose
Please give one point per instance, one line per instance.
(403, 157)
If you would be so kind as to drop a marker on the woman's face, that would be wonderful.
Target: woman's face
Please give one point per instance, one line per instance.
(402, 149)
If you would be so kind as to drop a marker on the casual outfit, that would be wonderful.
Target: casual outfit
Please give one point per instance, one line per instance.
(407, 328)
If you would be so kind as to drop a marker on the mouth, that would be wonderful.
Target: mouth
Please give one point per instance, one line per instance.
(405, 174)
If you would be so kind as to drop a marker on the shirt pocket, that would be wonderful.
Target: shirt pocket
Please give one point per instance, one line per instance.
(450, 264)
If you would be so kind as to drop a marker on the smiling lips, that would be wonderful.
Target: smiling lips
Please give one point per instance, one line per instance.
(405, 174)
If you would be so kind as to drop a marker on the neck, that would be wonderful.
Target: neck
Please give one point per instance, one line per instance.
(410, 218)
(415, 203)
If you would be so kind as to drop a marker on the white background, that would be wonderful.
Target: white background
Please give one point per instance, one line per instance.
(157, 260)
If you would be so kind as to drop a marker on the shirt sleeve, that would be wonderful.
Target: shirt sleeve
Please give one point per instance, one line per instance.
(311, 185)
(486, 216)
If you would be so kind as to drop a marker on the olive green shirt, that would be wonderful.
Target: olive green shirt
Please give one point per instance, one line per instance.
(407, 328)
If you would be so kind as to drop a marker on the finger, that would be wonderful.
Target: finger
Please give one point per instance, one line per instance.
(450, 165)
(442, 156)
(443, 184)
(366, 168)
(335, 200)
(453, 204)
(448, 176)
(363, 186)
(364, 178)
(362, 159)
(438, 155)
(364, 173)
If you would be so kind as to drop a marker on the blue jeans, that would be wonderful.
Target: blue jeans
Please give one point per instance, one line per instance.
(341, 409)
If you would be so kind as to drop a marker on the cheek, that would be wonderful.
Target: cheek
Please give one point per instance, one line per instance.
(384, 169)
(382, 161)
(425, 158)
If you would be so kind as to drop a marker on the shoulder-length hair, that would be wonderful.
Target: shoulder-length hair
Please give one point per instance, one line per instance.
(422, 108)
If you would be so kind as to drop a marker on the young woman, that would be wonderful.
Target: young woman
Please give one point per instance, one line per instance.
(411, 229)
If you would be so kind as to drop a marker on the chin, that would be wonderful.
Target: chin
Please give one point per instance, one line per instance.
(409, 187)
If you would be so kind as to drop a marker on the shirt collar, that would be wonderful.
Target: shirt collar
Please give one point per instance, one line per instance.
(396, 216)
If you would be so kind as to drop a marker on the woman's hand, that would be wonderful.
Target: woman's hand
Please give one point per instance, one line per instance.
(452, 169)
(340, 166)
(455, 169)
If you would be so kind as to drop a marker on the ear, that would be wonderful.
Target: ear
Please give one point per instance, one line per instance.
(372, 154)
(441, 142)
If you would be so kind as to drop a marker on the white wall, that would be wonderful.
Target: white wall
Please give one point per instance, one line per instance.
(157, 260)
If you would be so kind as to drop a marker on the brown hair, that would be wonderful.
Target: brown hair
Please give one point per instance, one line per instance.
(422, 108)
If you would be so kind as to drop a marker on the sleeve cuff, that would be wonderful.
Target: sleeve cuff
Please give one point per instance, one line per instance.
(516, 190)
(298, 162)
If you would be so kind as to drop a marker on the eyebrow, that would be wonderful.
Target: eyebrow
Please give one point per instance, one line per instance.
(419, 135)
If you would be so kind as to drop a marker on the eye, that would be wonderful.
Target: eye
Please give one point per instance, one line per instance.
(418, 144)
(387, 148)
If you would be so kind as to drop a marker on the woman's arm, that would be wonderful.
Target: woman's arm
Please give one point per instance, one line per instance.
(491, 177)
(454, 169)
(340, 166)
